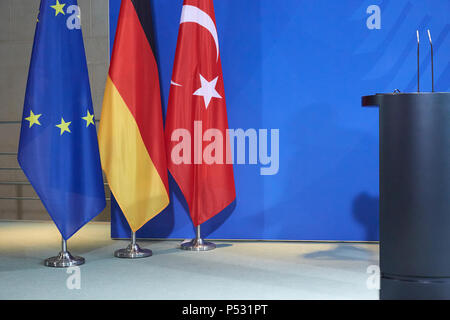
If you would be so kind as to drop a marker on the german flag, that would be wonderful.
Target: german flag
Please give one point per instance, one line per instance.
(131, 134)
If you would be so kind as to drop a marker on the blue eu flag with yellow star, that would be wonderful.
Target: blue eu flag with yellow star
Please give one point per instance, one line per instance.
(58, 149)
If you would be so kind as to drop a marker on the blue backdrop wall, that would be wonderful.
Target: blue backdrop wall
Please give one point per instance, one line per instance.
(302, 67)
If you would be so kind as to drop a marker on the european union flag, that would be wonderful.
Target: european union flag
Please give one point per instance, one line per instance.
(58, 149)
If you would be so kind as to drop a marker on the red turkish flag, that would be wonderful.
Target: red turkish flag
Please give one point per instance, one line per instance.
(196, 123)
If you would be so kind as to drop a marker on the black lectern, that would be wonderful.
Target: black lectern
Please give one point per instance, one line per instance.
(414, 194)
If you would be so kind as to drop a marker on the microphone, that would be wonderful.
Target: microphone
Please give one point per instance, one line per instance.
(418, 61)
(432, 67)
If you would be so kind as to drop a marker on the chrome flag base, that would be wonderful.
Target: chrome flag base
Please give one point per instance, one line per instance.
(198, 244)
(133, 251)
(64, 259)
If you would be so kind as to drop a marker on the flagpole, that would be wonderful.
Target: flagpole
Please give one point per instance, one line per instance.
(198, 244)
(133, 251)
(64, 259)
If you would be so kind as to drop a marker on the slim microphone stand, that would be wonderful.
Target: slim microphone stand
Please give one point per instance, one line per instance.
(418, 61)
(432, 62)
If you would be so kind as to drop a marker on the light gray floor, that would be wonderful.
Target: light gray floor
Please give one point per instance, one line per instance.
(235, 270)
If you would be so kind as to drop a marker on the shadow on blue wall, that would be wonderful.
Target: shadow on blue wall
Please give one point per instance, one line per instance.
(162, 225)
(366, 212)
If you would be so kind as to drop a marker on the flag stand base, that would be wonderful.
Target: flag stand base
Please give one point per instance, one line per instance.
(133, 251)
(64, 259)
(198, 244)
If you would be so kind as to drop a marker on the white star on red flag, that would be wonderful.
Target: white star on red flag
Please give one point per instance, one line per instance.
(207, 90)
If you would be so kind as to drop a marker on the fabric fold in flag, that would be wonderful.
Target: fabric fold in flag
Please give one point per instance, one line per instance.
(131, 130)
(58, 148)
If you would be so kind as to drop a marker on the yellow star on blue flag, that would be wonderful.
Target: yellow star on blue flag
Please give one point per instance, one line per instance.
(58, 8)
(89, 119)
(64, 126)
(33, 118)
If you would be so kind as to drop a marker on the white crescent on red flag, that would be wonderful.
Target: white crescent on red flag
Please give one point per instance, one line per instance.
(197, 104)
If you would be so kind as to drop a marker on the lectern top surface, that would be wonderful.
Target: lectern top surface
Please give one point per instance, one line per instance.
(407, 93)
(377, 99)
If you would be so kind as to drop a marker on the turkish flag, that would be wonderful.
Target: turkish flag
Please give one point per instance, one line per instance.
(196, 124)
